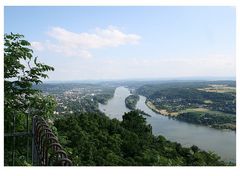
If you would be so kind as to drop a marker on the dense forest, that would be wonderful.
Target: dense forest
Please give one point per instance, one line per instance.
(209, 119)
(92, 139)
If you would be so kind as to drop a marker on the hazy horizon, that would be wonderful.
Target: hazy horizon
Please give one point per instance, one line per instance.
(147, 79)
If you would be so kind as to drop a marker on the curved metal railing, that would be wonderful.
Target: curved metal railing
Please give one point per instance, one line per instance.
(47, 150)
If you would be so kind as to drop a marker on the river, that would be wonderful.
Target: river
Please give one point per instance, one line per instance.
(222, 142)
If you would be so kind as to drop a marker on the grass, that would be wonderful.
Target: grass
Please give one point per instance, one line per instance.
(208, 101)
(219, 88)
(205, 110)
(195, 110)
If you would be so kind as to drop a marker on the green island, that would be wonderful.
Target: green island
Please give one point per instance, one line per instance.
(131, 102)
(207, 103)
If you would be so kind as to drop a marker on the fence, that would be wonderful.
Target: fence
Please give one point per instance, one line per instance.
(41, 145)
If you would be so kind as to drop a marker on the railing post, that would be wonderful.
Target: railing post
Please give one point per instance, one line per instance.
(14, 140)
(29, 132)
(34, 156)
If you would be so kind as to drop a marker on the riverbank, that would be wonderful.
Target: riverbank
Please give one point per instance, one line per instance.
(184, 116)
(163, 112)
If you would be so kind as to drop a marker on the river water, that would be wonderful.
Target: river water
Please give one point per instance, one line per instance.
(222, 142)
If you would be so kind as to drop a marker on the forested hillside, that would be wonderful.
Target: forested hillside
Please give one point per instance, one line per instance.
(95, 140)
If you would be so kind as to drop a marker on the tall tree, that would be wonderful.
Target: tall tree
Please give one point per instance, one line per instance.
(21, 71)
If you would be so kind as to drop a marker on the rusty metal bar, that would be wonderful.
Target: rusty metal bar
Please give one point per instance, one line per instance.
(14, 140)
(17, 134)
(46, 146)
(34, 156)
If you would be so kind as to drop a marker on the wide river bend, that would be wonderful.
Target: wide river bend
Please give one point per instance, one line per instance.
(222, 142)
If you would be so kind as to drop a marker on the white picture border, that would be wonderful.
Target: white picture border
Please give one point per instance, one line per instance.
(119, 171)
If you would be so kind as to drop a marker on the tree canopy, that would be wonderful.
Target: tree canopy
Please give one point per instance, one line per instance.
(92, 139)
(21, 71)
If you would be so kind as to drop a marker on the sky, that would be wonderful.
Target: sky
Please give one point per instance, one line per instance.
(105, 43)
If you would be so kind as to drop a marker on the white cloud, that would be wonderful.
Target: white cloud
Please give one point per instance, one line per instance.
(37, 46)
(79, 44)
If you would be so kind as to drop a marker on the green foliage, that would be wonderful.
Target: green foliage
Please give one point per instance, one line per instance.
(42, 105)
(92, 139)
(131, 101)
(103, 98)
(21, 71)
(132, 121)
(209, 119)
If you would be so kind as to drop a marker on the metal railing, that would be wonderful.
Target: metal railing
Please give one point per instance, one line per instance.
(47, 151)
